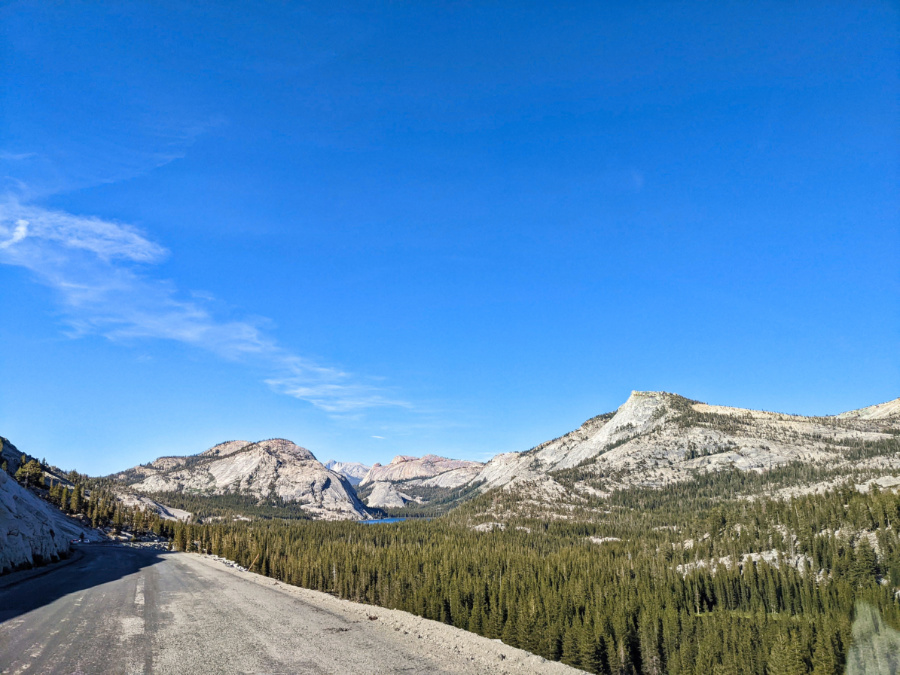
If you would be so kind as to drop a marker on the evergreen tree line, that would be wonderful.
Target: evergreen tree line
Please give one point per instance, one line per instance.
(91, 500)
(715, 486)
(674, 594)
(101, 508)
(232, 505)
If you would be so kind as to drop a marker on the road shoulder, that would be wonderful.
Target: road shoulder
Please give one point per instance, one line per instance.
(443, 642)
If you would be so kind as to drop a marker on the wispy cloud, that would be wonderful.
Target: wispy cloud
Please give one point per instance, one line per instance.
(105, 239)
(16, 156)
(103, 273)
(330, 389)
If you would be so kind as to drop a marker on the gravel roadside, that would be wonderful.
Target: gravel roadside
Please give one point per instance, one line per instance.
(456, 650)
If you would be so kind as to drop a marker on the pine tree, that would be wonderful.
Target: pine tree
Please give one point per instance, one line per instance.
(589, 649)
(648, 635)
(786, 657)
(476, 621)
(570, 651)
(510, 634)
(76, 502)
(824, 661)
(865, 565)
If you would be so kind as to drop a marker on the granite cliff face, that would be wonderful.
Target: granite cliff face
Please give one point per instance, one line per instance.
(31, 529)
(29, 532)
(657, 438)
(415, 479)
(275, 466)
(431, 469)
(653, 439)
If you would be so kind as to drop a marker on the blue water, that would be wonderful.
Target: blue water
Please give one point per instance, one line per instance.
(379, 521)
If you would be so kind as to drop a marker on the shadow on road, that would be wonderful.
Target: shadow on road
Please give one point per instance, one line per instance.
(94, 565)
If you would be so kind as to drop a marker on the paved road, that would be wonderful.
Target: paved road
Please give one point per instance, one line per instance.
(122, 610)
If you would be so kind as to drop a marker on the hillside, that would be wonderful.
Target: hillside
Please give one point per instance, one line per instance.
(416, 480)
(275, 468)
(656, 439)
(32, 530)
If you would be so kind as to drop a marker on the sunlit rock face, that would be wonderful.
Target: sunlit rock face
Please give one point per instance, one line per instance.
(385, 496)
(656, 438)
(404, 468)
(31, 530)
(272, 467)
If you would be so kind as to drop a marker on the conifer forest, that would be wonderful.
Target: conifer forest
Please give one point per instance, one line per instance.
(677, 580)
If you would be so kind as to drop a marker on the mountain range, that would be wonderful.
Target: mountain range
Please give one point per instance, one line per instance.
(275, 467)
(652, 440)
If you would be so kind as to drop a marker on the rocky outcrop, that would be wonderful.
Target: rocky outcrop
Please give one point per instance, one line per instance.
(656, 438)
(418, 481)
(129, 498)
(386, 496)
(9, 454)
(881, 411)
(406, 468)
(354, 472)
(31, 530)
(275, 466)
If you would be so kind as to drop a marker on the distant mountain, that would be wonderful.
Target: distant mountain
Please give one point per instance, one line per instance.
(657, 438)
(438, 471)
(275, 467)
(415, 479)
(652, 440)
(354, 472)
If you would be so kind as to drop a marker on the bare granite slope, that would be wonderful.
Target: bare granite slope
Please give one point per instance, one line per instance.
(385, 495)
(881, 411)
(404, 468)
(31, 530)
(657, 438)
(275, 466)
(391, 485)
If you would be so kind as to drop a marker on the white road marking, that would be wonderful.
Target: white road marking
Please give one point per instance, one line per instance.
(139, 595)
(133, 629)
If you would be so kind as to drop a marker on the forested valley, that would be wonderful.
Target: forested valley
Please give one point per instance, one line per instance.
(676, 580)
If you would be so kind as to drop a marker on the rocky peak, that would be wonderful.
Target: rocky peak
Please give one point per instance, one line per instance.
(282, 446)
(400, 459)
(226, 448)
(405, 467)
(276, 465)
(642, 412)
(881, 411)
(655, 438)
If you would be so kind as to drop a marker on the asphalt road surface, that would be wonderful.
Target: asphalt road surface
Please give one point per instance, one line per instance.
(115, 609)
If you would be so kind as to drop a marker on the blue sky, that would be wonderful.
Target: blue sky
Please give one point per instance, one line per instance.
(457, 228)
